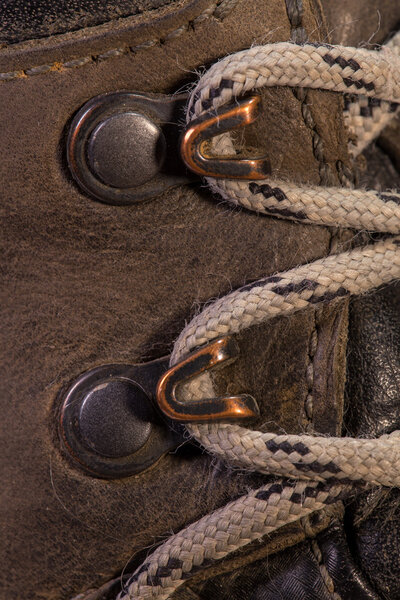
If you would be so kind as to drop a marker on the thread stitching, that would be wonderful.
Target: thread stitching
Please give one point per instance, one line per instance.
(309, 401)
(326, 578)
(298, 35)
(121, 51)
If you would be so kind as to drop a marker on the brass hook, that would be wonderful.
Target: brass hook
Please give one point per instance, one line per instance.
(194, 148)
(222, 351)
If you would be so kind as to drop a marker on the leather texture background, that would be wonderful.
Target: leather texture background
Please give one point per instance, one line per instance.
(373, 386)
(373, 409)
(89, 284)
(32, 19)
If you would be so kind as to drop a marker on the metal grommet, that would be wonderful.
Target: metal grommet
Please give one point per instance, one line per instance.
(108, 423)
(222, 351)
(126, 150)
(123, 147)
(195, 144)
(115, 417)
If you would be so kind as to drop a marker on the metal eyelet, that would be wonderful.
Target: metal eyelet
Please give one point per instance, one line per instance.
(196, 137)
(221, 352)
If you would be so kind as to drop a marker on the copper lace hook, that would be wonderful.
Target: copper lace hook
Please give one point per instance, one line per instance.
(222, 351)
(194, 150)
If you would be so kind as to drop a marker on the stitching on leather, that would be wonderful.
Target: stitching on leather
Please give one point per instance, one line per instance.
(326, 578)
(120, 51)
(298, 34)
(309, 402)
(295, 10)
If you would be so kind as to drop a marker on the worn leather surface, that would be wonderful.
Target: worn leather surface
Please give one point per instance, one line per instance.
(87, 284)
(32, 19)
(354, 23)
(274, 356)
(373, 409)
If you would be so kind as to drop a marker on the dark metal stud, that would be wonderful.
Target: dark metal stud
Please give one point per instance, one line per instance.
(123, 147)
(115, 418)
(126, 150)
(108, 423)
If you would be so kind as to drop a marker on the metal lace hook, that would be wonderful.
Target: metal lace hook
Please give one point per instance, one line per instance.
(195, 143)
(222, 351)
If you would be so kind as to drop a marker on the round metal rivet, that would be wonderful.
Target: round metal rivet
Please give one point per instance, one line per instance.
(117, 146)
(107, 422)
(126, 150)
(114, 418)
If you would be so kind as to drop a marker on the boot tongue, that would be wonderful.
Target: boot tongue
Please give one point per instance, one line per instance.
(295, 368)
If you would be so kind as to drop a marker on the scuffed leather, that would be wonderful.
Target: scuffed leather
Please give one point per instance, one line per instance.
(373, 406)
(33, 19)
(373, 409)
(91, 284)
(311, 342)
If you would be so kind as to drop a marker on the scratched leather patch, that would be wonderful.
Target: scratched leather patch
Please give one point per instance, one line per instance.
(22, 20)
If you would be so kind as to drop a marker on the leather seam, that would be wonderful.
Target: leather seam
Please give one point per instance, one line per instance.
(309, 401)
(118, 51)
(140, 11)
(298, 34)
(294, 11)
(326, 578)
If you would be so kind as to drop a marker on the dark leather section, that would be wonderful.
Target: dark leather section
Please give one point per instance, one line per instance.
(373, 379)
(373, 409)
(312, 343)
(293, 574)
(352, 22)
(89, 284)
(389, 142)
(347, 580)
(373, 405)
(32, 19)
(314, 570)
(377, 169)
(375, 536)
(257, 552)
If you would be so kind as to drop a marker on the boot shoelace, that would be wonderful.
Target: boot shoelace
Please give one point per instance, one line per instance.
(316, 471)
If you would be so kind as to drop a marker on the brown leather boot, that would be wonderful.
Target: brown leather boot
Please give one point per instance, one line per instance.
(111, 245)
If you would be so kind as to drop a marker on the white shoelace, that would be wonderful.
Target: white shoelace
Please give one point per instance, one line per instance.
(318, 470)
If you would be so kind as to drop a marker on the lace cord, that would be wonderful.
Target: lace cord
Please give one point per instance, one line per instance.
(225, 530)
(366, 117)
(328, 66)
(370, 73)
(326, 469)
